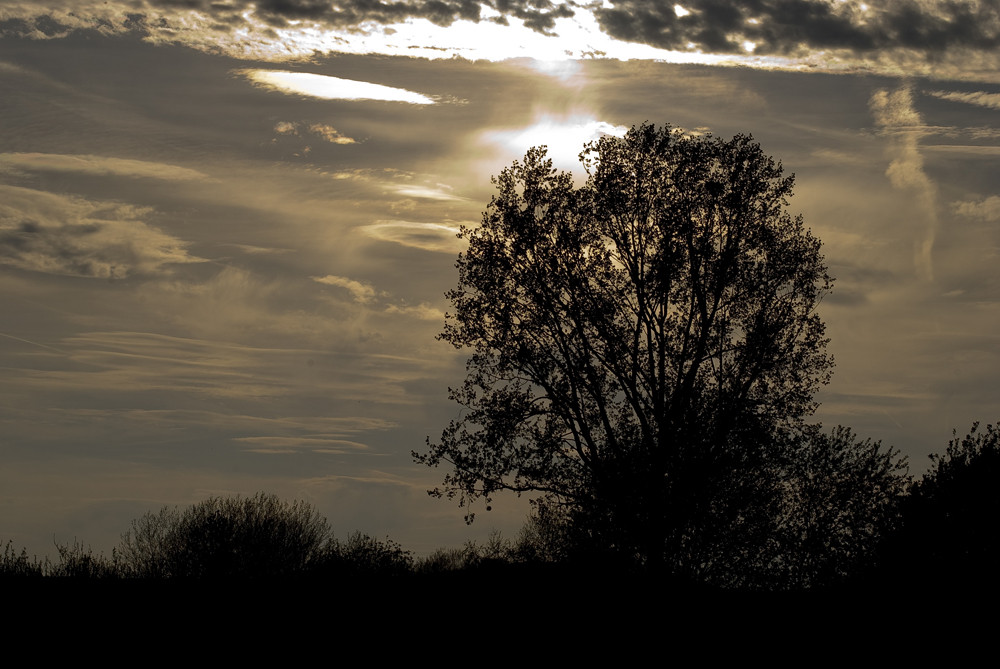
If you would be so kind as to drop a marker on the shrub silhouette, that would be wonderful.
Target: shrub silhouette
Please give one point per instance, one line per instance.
(235, 537)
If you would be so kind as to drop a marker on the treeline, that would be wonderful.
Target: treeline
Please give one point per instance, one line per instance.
(938, 532)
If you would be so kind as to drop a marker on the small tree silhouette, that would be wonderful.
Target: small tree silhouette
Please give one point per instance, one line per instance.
(244, 537)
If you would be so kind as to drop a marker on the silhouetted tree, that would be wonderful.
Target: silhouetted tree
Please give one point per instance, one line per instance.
(949, 520)
(645, 348)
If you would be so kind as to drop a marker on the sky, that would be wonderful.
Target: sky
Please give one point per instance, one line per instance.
(227, 227)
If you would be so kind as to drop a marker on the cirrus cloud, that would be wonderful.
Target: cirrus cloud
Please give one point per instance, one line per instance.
(979, 98)
(97, 166)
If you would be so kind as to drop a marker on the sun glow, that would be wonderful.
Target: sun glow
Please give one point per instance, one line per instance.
(564, 137)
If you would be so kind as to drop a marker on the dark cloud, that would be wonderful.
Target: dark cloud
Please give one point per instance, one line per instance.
(774, 27)
(538, 15)
(790, 26)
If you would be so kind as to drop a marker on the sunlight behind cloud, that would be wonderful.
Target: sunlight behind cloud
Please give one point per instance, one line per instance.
(564, 137)
(331, 88)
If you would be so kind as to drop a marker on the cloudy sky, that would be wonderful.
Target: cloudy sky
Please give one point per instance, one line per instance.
(226, 227)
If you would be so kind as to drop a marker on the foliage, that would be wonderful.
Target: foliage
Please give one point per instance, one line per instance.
(247, 537)
(642, 346)
(949, 519)
(363, 554)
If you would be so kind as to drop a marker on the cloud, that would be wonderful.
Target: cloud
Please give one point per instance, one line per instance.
(252, 250)
(903, 127)
(60, 234)
(422, 311)
(362, 292)
(97, 165)
(147, 15)
(427, 236)
(259, 434)
(330, 134)
(284, 445)
(980, 98)
(120, 368)
(327, 426)
(440, 192)
(970, 150)
(791, 27)
(538, 15)
(325, 132)
(331, 88)
(987, 210)
(897, 35)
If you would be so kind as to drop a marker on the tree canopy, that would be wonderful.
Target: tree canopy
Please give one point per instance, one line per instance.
(643, 346)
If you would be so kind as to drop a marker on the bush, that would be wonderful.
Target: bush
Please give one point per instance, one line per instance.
(366, 555)
(14, 564)
(242, 537)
